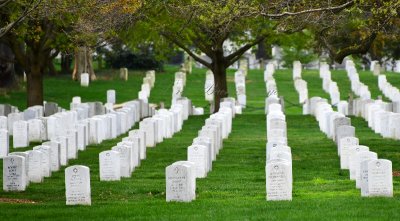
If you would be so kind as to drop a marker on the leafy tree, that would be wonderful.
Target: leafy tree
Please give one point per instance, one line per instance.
(205, 26)
(361, 29)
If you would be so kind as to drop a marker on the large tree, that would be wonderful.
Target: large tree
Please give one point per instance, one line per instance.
(361, 29)
(205, 26)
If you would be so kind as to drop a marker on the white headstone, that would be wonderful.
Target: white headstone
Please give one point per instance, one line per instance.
(55, 160)
(35, 172)
(85, 80)
(344, 145)
(77, 185)
(380, 178)
(278, 180)
(20, 134)
(46, 160)
(198, 154)
(111, 96)
(14, 175)
(110, 169)
(179, 183)
(4, 143)
(125, 159)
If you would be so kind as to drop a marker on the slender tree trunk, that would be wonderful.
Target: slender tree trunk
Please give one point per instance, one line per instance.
(66, 61)
(83, 63)
(35, 84)
(221, 87)
(51, 67)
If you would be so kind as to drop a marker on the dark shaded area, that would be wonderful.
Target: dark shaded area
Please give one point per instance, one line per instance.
(7, 60)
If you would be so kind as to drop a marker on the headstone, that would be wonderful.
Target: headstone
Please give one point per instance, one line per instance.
(150, 128)
(110, 169)
(11, 119)
(360, 157)
(111, 97)
(278, 180)
(345, 131)
(85, 80)
(125, 159)
(142, 141)
(340, 122)
(50, 108)
(77, 185)
(4, 143)
(72, 144)
(35, 172)
(180, 182)
(63, 141)
(5, 109)
(46, 160)
(380, 178)
(353, 151)
(198, 154)
(3, 123)
(20, 134)
(123, 75)
(55, 160)
(35, 130)
(344, 146)
(14, 175)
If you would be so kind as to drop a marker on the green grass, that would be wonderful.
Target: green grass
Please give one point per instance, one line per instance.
(235, 188)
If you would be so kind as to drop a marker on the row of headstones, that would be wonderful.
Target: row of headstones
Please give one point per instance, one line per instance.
(380, 118)
(6, 109)
(123, 158)
(328, 85)
(48, 157)
(278, 169)
(358, 88)
(390, 91)
(240, 85)
(373, 176)
(148, 83)
(181, 176)
(179, 85)
(300, 85)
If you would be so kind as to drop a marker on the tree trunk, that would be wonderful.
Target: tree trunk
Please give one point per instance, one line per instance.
(51, 68)
(66, 61)
(83, 63)
(7, 73)
(221, 87)
(35, 84)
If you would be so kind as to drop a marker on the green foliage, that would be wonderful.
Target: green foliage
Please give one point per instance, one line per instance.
(298, 46)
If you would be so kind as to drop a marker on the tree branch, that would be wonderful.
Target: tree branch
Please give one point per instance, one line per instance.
(232, 58)
(8, 27)
(183, 47)
(285, 14)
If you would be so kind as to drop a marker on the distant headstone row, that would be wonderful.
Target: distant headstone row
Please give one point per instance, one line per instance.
(372, 175)
(278, 169)
(328, 85)
(65, 133)
(148, 83)
(181, 176)
(240, 84)
(123, 158)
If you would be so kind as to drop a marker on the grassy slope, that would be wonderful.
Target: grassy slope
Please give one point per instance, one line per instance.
(235, 189)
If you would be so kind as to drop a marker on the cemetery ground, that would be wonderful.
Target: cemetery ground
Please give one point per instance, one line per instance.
(235, 188)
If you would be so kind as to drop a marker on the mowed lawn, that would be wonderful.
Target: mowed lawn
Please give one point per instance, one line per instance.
(235, 188)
